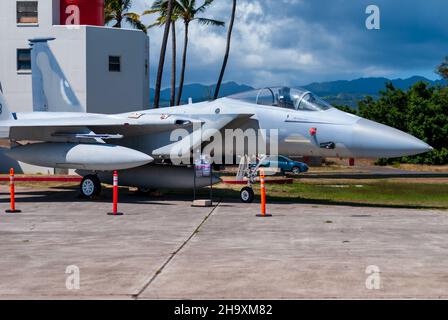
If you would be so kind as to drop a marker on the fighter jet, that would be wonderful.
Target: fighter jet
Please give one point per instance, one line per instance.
(149, 149)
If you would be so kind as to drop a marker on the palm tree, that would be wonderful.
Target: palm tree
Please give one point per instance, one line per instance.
(117, 12)
(173, 64)
(188, 11)
(226, 56)
(169, 12)
(442, 69)
(160, 7)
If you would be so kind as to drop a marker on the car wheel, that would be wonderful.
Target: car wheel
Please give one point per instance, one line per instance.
(296, 170)
(247, 195)
(90, 186)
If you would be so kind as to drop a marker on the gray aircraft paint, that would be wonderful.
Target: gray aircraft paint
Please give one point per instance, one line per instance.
(157, 177)
(149, 131)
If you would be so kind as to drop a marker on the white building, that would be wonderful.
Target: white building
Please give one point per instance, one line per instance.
(107, 68)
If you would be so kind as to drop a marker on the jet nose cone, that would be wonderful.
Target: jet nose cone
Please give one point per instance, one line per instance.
(374, 140)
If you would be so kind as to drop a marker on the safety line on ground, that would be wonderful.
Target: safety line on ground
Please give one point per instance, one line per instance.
(171, 257)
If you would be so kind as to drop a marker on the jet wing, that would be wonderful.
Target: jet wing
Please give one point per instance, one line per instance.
(198, 136)
(41, 129)
(97, 120)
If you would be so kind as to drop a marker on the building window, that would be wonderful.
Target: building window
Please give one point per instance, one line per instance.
(114, 64)
(27, 12)
(23, 59)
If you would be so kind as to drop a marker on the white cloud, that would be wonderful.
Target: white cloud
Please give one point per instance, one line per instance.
(293, 42)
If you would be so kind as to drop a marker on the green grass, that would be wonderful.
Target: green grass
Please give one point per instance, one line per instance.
(408, 193)
(380, 193)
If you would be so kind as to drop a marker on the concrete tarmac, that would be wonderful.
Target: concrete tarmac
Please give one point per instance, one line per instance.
(165, 249)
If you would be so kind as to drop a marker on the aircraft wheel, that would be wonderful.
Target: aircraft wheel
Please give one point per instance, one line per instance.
(247, 195)
(90, 186)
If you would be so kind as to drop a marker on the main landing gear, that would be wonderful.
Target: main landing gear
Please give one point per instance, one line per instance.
(90, 186)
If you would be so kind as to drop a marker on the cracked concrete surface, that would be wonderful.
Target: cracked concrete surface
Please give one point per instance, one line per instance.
(165, 249)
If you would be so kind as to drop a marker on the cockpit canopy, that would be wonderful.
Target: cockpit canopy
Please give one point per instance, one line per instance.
(284, 97)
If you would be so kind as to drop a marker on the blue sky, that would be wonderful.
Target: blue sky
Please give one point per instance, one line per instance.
(295, 42)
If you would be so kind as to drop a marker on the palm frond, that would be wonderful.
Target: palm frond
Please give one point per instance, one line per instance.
(158, 23)
(134, 20)
(210, 22)
(132, 16)
(155, 24)
(126, 4)
(159, 3)
(184, 5)
(108, 18)
(204, 7)
(151, 11)
(161, 7)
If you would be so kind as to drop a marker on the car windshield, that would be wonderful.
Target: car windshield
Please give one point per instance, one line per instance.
(284, 159)
(279, 158)
(284, 97)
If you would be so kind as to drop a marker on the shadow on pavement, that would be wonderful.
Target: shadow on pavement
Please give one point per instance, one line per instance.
(229, 197)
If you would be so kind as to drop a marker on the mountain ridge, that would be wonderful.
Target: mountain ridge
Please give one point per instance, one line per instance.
(370, 85)
(341, 92)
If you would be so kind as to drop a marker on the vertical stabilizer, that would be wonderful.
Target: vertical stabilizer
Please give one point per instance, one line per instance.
(5, 113)
(51, 90)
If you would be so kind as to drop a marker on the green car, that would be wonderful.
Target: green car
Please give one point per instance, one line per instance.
(284, 164)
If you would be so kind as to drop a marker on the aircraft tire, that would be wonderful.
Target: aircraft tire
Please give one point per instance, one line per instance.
(247, 195)
(90, 186)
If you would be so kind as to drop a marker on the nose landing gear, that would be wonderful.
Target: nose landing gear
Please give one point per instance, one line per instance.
(247, 195)
(248, 170)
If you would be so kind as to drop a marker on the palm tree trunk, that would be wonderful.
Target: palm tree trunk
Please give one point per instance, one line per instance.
(226, 56)
(162, 54)
(119, 17)
(173, 65)
(118, 24)
(184, 62)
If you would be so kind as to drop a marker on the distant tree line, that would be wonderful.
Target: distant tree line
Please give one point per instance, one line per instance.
(422, 111)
